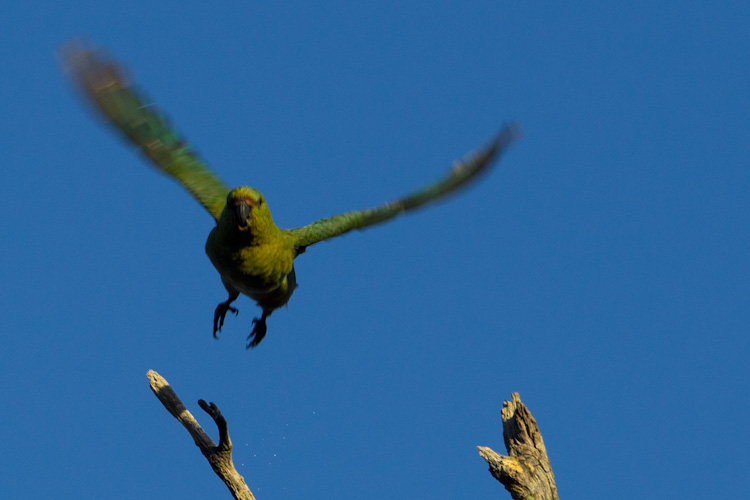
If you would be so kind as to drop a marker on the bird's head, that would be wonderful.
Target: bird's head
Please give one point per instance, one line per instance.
(247, 210)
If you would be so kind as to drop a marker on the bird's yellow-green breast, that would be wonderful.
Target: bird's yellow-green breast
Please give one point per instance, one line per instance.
(246, 247)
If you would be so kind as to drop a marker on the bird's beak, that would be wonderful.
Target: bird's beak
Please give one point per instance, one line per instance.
(242, 209)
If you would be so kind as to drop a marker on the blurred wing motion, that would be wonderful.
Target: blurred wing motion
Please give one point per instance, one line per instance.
(105, 84)
(461, 173)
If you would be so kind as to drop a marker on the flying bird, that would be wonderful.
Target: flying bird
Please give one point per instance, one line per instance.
(252, 255)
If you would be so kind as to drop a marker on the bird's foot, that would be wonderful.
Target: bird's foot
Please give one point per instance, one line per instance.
(259, 331)
(220, 313)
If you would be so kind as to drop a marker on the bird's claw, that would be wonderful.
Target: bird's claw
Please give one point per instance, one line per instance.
(220, 313)
(259, 331)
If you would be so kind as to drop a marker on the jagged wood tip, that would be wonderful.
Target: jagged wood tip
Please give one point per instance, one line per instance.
(526, 472)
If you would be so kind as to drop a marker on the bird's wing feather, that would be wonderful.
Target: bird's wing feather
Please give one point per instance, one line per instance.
(461, 174)
(105, 84)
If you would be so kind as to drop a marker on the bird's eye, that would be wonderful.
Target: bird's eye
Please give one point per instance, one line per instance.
(260, 202)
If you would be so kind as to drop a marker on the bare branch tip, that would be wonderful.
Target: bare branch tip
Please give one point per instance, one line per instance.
(210, 408)
(156, 381)
(488, 454)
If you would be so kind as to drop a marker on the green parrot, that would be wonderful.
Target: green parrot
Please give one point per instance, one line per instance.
(252, 255)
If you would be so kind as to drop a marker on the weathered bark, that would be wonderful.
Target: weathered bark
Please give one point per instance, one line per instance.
(526, 472)
(220, 457)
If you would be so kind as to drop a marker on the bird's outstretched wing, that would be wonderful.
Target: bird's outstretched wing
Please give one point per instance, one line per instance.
(105, 84)
(461, 173)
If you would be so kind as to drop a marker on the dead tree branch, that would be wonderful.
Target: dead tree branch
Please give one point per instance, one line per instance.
(526, 472)
(220, 457)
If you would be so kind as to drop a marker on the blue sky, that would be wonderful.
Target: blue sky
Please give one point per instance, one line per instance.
(601, 270)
